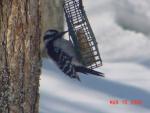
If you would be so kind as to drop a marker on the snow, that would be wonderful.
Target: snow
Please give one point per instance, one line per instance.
(122, 29)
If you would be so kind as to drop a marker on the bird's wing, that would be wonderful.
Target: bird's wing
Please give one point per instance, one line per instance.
(65, 64)
(68, 48)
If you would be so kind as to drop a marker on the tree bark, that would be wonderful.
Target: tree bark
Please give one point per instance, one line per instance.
(19, 56)
(52, 17)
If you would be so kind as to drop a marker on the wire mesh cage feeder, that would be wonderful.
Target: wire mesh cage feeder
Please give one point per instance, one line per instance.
(81, 34)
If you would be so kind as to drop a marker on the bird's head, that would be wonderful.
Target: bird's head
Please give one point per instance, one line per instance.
(52, 35)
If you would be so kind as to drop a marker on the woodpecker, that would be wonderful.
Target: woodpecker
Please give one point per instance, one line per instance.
(65, 58)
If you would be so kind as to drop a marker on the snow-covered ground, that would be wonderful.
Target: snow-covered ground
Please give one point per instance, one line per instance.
(122, 29)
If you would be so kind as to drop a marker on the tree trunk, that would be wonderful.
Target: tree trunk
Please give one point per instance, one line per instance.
(19, 56)
(52, 17)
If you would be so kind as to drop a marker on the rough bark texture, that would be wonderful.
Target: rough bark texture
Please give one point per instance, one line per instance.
(19, 56)
(52, 15)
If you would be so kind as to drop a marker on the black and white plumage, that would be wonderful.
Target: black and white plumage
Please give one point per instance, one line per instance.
(65, 60)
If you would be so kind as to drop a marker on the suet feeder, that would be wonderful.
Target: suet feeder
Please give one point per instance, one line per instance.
(81, 34)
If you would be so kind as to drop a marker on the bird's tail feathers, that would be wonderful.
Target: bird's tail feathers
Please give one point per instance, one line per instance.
(87, 70)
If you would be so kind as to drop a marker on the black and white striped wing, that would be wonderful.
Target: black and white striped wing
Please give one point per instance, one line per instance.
(65, 64)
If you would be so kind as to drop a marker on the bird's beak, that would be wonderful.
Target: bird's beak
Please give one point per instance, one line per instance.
(63, 33)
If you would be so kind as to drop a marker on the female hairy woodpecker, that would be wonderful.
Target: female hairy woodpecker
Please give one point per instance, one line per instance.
(64, 59)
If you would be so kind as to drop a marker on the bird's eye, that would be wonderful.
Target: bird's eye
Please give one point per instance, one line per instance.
(50, 34)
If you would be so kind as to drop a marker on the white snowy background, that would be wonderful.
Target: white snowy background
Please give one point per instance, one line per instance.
(122, 29)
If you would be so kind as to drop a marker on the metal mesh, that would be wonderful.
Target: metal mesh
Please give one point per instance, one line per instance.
(81, 34)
